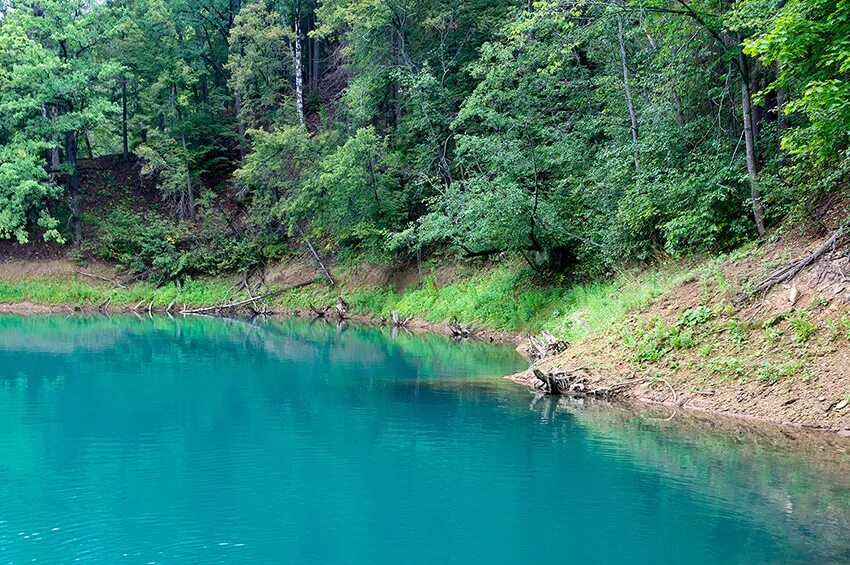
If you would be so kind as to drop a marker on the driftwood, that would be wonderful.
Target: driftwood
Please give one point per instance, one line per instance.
(546, 345)
(397, 321)
(98, 277)
(577, 383)
(315, 254)
(788, 272)
(341, 309)
(319, 313)
(460, 331)
(234, 306)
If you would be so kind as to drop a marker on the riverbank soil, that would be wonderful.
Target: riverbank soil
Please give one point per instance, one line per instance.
(782, 356)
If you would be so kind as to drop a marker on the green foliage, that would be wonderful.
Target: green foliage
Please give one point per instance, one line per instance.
(804, 328)
(504, 298)
(83, 293)
(696, 316)
(654, 340)
(162, 249)
(808, 41)
(578, 136)
(25, 192)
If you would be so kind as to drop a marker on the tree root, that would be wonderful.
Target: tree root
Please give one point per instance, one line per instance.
(577, 384)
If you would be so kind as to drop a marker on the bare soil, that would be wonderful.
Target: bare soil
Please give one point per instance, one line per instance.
(783, 357)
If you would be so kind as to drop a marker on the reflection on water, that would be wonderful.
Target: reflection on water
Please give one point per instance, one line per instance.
(236, 441)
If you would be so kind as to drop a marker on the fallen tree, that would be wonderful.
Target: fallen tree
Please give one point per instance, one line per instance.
(235, 306)
(788, 272)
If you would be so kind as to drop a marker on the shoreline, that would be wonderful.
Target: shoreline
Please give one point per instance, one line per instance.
(414, 325)
(631, 396)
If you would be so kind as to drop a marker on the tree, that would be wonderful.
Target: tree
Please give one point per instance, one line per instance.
(52, 85)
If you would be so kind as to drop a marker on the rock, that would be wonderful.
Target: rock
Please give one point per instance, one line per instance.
(822, 399)
(841, 405)
(793, 295)
(844, 433)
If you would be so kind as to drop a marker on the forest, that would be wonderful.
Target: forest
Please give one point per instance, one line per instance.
(577, 135)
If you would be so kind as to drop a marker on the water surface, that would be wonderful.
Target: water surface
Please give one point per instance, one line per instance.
(126, 440)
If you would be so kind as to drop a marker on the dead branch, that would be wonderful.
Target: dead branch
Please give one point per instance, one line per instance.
(459, 331)
(790, 271)
(570, 383)
(319, 313)
(546, 345)
(232, 306)
(398, 322)
(98, 277)
(315, 254)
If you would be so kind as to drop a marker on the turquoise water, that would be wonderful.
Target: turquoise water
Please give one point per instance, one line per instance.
(126, 440)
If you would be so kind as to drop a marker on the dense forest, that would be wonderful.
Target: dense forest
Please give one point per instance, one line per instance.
(578, 135)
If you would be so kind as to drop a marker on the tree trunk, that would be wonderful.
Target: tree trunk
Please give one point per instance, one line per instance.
(299, 71)
(124, 141)
(629, 102)
(52, 155)
(314, 59)
(677, 106)
(87, 141)
(205, 97)
(190, 195)
(73, 182)
(749, 141)
(240, 126)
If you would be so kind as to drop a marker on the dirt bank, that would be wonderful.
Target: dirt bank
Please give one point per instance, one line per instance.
(782, 357)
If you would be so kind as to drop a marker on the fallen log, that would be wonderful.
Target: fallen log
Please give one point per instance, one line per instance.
(788, 272)
(98, 277)
(243, 303)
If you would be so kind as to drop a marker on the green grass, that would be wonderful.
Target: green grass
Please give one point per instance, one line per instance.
(505, 298)
(53, 292)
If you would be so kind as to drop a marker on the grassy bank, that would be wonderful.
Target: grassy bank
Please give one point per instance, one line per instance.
(505, 298)
(63, 292)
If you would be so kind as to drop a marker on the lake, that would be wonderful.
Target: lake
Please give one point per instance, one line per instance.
(137, 440)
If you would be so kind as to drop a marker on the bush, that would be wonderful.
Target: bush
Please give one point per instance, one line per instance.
(163, 249)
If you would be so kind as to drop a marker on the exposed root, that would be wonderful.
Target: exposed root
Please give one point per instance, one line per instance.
(578, 383)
